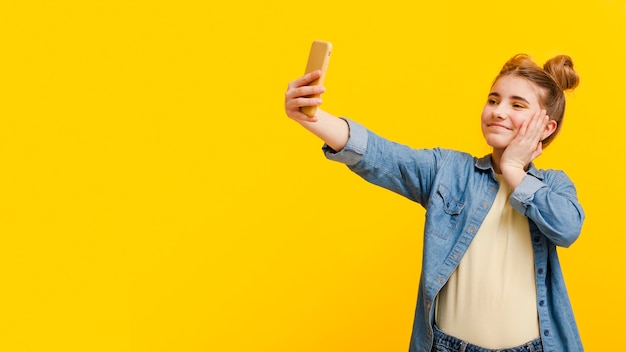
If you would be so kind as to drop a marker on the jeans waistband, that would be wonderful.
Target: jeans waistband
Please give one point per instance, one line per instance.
(451, 342)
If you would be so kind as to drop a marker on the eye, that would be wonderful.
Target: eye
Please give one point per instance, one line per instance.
(491, 101)
(518, 106)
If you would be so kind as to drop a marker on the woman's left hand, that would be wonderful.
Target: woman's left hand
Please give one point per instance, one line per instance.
(526, 145)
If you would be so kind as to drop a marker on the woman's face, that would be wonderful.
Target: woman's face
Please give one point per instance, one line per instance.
(511, 101)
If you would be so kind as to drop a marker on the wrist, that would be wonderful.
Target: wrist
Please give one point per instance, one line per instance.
(513, 175)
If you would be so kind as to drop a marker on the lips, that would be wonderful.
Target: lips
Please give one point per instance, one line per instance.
(497, 126)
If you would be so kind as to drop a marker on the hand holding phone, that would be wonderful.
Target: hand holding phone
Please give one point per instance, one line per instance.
(319, 56)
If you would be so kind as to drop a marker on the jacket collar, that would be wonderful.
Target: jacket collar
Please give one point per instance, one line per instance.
(484, 164)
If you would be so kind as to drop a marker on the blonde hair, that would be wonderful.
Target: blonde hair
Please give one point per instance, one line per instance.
(556, 76)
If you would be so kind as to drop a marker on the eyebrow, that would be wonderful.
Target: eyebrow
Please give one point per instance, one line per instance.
(514, 97)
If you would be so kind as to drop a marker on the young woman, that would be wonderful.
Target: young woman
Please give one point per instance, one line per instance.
(491, 278)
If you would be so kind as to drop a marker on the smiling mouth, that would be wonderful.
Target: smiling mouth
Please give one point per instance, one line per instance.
(495, 125)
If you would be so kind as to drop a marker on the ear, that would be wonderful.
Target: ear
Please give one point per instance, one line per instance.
(550, 128)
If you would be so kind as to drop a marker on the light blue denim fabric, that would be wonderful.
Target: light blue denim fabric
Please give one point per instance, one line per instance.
(457, 191)
(446, 343)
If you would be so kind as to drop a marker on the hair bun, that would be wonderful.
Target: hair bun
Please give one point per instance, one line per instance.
(561, 69)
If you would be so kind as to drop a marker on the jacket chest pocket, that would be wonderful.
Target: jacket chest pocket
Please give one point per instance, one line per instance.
(443, 213)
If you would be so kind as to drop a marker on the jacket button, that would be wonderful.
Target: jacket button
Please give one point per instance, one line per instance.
(537, 239)
(542, 303)
(546, 332)
(540, 271)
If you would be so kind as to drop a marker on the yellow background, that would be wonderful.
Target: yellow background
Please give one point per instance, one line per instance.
(154, 196)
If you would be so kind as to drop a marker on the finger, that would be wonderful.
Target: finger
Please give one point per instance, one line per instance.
(526, 125)
(297, 103)
(305, 80)
(539, 124)
(299, 115)
(304, 92)
(533, 127)
(538, 116)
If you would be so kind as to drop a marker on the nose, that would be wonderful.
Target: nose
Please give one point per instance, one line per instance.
(499, 112)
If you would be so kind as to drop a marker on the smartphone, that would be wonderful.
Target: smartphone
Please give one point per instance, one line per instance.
(319, 55)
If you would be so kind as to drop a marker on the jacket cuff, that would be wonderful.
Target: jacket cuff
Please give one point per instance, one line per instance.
(524, 193)
(353, 152)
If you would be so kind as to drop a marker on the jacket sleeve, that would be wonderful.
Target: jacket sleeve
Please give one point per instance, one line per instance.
(399, 168)
(552, 204)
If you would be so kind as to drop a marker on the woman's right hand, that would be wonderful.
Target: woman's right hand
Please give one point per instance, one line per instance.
(333, 131)
(299, 94)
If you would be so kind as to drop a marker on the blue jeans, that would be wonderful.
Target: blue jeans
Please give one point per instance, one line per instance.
(447, 343)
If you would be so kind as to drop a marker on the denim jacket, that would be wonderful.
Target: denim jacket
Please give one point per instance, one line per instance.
(457, 191)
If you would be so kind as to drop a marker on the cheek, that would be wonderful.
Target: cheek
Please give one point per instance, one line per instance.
(485, 114)
(519, 120)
